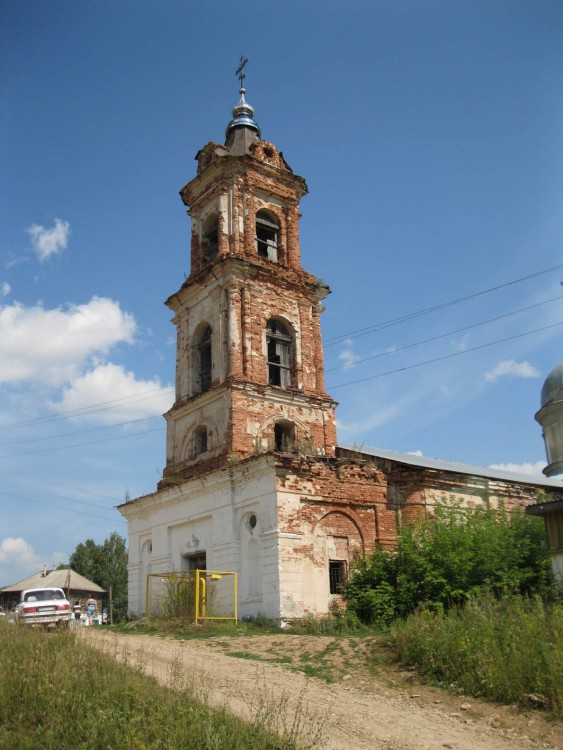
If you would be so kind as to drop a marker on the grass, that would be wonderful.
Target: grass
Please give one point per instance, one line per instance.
(56, 692)
(184, 628)
(509, 650)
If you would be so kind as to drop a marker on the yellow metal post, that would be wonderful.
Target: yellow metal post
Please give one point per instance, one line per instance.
(202, 583)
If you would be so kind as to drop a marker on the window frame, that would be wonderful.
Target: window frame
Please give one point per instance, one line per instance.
(267, 235)
(337, 575)
(279, 353)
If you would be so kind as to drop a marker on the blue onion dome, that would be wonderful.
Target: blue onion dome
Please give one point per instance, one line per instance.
(553, 387)
(243, 115)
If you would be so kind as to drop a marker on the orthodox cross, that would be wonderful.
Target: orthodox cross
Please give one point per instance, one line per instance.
(240, 70)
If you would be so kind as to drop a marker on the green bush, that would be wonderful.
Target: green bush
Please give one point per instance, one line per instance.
(508, 649)
(445, 559)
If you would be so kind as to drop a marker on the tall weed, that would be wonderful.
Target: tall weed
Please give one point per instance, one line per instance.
(507, 649)
(56, 692)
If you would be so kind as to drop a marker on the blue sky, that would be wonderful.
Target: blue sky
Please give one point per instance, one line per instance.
(429, 134)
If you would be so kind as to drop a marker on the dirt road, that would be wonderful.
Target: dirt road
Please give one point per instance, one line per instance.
(356, 712)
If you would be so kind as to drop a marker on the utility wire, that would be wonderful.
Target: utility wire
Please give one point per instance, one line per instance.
(127, 400)
(409, 316)
(153, 393)
(71, 510)
(332, 387)
(80, 432)
(445, 356)
(80, 445)
(441, 335)
(103, 406)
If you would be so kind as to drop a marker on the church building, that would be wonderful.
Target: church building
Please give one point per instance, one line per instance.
(255, 481)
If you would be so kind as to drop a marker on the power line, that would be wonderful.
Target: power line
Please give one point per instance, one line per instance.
(71, 510)
(103, 406)
(84, 491)
(445, 356)
(443, 335)
(80, 432)
(410, 316)
(80, 445)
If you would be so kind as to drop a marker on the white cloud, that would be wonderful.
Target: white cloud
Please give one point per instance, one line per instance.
(511, 368)
(347, 356)
(48, 242)
(370, 420)
(18, 554)
(418, 453)
(5, 289)
(130, 398)
(52, 345)
(18, 559)
(534, 470)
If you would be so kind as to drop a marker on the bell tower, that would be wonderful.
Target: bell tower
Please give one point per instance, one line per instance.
(249, 358)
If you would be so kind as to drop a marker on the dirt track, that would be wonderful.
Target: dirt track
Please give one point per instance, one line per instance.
(358, 712)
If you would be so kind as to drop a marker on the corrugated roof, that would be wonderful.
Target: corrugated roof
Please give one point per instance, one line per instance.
(436, 463)
(62, 579)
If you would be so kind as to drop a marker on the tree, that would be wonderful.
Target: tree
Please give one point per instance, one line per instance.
(445, 559)
(106, 565)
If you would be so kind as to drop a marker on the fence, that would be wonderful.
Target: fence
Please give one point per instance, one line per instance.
(195, 595)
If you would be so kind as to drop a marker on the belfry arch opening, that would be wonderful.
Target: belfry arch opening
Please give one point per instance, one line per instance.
(284, 436)
(279, 345)
(267, 235)
(210, 237)
(202, 360)
(200, 440)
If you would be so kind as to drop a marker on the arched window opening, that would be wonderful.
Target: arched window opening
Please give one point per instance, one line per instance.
(202, 363)
(284, 436)
(278, 342)
(200, 440)
(267, 235)
(210, 238)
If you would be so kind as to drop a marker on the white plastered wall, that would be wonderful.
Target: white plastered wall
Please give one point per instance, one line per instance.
(211, 515)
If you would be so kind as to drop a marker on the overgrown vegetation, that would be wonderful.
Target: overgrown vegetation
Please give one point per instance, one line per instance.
(508, 649)
(448, 558)
(56, 692)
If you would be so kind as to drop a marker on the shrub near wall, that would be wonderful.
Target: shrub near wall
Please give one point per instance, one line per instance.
(443, 560)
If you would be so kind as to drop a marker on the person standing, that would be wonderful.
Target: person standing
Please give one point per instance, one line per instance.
(91, 607)
(77, 609)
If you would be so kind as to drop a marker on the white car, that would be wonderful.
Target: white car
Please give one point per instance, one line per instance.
(43, 607)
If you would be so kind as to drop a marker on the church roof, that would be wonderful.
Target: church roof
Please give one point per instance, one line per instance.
(458, 468)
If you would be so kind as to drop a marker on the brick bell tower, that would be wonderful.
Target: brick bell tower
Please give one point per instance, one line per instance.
(249, 358)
